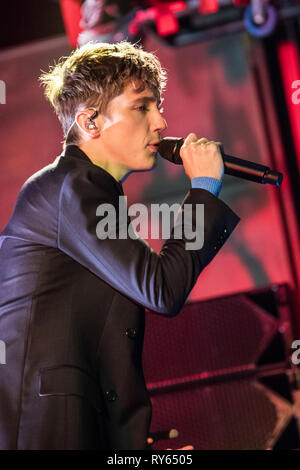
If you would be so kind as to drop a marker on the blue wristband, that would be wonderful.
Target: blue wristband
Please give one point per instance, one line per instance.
(212, 185)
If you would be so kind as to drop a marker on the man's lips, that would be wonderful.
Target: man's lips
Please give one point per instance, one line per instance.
(153, 147)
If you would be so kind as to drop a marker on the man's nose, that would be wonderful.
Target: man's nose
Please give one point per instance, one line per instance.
(158, 123)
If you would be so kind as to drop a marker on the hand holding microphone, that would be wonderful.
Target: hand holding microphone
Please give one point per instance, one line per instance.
(200, 157)
(170, 148)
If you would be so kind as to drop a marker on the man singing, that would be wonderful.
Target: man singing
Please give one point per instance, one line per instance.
(72, 305)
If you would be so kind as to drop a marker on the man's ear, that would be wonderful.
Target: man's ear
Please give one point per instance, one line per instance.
(87, 125)
(101, 122)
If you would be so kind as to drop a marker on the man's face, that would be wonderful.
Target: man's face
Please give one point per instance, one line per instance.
(132, 122)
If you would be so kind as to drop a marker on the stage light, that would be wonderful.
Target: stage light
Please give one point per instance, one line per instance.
(176, 23)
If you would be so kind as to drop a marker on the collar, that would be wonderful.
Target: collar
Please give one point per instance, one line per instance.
(74, 151)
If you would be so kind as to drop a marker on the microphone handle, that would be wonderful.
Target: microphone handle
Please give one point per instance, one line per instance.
(169, 148)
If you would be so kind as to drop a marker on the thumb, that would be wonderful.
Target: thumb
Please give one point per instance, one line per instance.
(192, 137)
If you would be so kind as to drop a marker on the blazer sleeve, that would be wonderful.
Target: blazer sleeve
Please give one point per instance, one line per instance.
(159, 281)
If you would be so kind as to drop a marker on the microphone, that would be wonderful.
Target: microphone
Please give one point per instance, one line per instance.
(169, 148)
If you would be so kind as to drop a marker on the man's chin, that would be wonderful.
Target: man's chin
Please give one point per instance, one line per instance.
(150, 163)
(154, 161)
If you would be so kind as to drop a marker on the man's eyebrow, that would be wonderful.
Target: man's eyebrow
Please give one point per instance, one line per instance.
(147, 99)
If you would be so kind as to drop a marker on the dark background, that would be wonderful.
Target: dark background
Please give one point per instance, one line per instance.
(23, 21)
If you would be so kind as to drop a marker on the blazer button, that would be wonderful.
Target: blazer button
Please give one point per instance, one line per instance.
(130, 332)
(111, 395)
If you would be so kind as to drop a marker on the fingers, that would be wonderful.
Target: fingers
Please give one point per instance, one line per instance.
(201, 157)
(203, 141)
(192, 137)
(192, 143)
(207, 142)
(217, 144)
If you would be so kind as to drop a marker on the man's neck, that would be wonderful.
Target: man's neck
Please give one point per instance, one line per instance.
(117, 171)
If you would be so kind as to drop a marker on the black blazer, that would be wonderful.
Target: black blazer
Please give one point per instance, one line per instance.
(72, 310)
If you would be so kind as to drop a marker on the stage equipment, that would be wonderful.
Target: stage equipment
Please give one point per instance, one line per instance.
(220, 373)
(176, 23)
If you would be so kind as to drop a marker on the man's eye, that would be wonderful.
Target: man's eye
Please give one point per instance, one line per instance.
(143, 108)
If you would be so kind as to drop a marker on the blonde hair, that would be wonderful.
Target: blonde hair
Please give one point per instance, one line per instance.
(96, 73)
